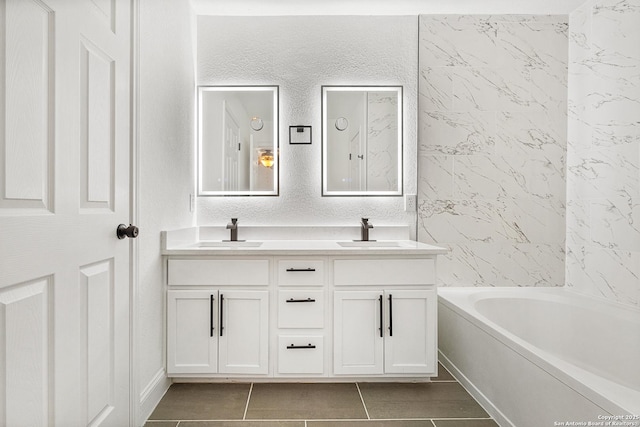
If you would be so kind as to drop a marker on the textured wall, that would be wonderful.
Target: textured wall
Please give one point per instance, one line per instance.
(603, 182)
(492, 147)
(166, 162)
(300, 54)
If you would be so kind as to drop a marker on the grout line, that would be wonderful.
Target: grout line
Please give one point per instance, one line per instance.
(362, 400)
(329, 419)
(432, 422)
(246, 407)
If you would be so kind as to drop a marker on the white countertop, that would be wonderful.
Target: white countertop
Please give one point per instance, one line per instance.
(189, 242)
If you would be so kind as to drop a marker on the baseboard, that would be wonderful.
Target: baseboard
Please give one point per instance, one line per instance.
(151, 395)
(486, 404)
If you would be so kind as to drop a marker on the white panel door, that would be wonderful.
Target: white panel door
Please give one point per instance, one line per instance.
(64, 188)
(231, 149)
(244, 332)
(410, 336)
(192, 332)
(358, 332)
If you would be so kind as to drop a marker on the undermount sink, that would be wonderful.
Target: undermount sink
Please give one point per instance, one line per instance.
(369, 244)
(228, 244)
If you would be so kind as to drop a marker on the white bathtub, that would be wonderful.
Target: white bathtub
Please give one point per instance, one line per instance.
(543, 356)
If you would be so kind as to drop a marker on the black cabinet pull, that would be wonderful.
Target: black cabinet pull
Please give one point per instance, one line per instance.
(211, 327)
(381, 314)
(301, 300)
(300, 269)
(293, 347)
(390, 315)
(221, 314)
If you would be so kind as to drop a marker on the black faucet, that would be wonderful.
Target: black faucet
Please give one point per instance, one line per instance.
(364, 229)
(233, 226)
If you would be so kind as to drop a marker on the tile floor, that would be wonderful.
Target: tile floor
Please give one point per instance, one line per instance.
(441, 403)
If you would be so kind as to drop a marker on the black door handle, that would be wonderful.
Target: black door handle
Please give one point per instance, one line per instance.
(381, 315)
(301, 300)
(211, 327)
(221, 314)
(390, 315)
(123, 231)
(290, 270)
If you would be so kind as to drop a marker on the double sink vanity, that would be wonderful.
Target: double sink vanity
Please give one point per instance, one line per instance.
(317, 302)
(300, 303)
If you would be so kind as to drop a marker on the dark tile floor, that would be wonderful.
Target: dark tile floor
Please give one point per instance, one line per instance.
(441, 403)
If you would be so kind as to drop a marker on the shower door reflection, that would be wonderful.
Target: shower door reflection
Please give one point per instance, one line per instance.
(361, 140)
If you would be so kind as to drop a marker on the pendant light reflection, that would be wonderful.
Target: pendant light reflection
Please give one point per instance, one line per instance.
(265, 158)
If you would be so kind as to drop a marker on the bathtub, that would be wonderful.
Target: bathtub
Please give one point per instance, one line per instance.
(543, 356)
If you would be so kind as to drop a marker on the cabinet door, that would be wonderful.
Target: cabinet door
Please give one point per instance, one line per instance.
(192, 341)
(244, 332)
(410, 336)
(358, 341)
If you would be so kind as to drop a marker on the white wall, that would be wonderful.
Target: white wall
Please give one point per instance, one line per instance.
(492, 147)
(166, 169)
(301, 53)
(603, 191)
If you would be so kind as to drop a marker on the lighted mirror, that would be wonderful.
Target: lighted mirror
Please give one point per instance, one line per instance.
(361, 140)
(238, 141)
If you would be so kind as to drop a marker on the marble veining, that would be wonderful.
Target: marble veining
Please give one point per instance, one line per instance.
(382, 134)
(493, 147)
(459, 133)
(603, 158)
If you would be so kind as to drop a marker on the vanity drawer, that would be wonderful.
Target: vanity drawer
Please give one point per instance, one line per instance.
(356, 272)
(218, 272)
(301, 272)
(300, 354)
(300, 309)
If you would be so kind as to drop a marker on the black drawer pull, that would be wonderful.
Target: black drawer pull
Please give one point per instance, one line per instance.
(291, 270)
(293, 347)
(301, 300)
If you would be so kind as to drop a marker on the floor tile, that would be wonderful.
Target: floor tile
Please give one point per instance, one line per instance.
(161, 424)
(242, 424)
(290, 401)
(465, 423)
(371, 423)
(421, 400)
(202, 402)
(443, 374)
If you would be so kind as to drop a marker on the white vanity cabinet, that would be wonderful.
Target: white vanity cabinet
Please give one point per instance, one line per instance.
(302, 310)
(192, 336)
(217, 328)
(384, 332)
(388, 327)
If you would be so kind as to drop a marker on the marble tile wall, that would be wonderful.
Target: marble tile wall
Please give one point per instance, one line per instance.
(603, 154)
(382, 132)
(492, 147)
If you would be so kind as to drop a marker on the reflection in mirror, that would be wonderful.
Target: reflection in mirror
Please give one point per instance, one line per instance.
(237, 140)
(361, 140)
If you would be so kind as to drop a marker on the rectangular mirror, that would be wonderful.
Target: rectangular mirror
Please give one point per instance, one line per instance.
(238, 141)
(361, 140)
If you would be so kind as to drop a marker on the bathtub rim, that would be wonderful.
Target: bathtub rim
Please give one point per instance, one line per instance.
(462, 299)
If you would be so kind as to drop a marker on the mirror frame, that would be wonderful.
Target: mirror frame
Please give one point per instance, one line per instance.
(331, 88)
(275, 89)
